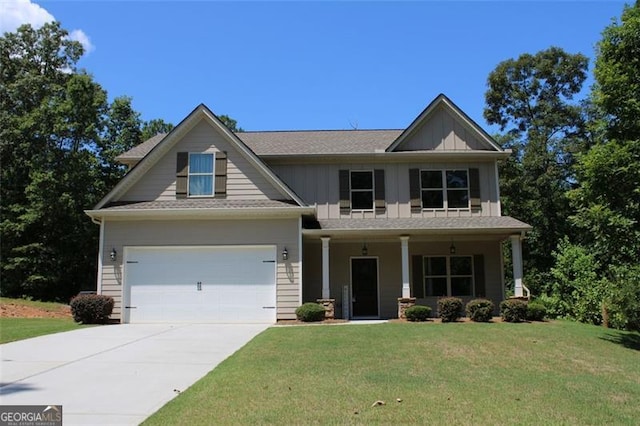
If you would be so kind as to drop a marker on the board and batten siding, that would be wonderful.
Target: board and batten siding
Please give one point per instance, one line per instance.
(279, 232)
(244, 181)
(441, 132)
(318, 185)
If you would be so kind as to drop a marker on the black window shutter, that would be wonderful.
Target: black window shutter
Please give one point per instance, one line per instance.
(474, 189)
(379, 190)
(182, 174)
(478, 274)
(221, 175)
(414, 190)
(418, 276)
(345, 203)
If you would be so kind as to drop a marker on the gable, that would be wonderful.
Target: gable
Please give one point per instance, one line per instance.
(441, 132)
(154, 177)
(244, 181)
(442, 126)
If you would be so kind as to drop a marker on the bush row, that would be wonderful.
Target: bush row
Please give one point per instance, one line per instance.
(450, 310)
(91, 308)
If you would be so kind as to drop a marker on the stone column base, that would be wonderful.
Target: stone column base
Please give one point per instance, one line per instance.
(329, 307)
(403, 304)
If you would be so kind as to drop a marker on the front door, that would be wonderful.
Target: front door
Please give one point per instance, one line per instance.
(364, 286)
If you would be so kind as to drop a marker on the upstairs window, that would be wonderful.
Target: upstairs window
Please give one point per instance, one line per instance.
(444, 189)
(361, 190)
(201, 174)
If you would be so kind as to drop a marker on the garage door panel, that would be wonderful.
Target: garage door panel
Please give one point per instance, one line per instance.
(237, 284)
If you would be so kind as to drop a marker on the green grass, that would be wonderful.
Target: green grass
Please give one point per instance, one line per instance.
(12, 329)
(467, 373)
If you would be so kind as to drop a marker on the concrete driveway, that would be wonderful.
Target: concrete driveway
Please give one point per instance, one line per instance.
(115, 374)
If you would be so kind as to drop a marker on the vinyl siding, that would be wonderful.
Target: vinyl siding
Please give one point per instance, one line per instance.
(390, 269)
(244, 181)
(441, 132)
(318, 185)
(280, 232)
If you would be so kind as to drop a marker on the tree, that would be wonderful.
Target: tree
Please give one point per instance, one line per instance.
(230, 123)
(531, 97)
(50, 117)
(154, 127)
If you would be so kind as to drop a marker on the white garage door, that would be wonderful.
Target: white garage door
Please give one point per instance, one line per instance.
(200, 284)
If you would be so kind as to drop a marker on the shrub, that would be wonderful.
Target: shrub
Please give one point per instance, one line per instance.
(513, 310)
(417, 313)
(480, 310)
(310, 312)
(449, 309)
(536, 311)
(91, 308)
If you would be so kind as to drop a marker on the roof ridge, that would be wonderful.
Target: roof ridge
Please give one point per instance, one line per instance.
(319, 130)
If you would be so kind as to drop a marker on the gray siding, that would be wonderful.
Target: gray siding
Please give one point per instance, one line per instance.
(244, 181)
(441, 132)
(317, 184)
(280, 232)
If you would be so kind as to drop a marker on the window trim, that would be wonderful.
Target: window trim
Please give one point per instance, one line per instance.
(448, 276)
(445, 189)
(212, 175)
(372, 191)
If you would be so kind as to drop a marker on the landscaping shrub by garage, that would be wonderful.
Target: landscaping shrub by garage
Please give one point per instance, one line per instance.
(450, 309)
(513, 310)
(91, 308)
(536, 311)
(310, 312)
(417, 313)
(480, 310)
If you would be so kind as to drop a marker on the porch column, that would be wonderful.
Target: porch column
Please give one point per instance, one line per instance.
(516, 255)
(404, 244)
(325, 267)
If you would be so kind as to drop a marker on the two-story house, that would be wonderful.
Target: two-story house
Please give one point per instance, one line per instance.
(214, 226)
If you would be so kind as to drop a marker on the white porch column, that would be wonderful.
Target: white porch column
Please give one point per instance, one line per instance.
(404, 244)
(516, 256)
(325, 267)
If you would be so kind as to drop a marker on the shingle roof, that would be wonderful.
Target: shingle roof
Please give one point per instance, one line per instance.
(297, 142)
(434, 223)
(190, 203)
(143, 149)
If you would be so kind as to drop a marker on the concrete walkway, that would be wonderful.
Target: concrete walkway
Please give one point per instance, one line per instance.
(115, 374)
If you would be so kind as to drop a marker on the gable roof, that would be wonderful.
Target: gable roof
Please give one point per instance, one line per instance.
(442, 101)
(330, 142)
(159, 145)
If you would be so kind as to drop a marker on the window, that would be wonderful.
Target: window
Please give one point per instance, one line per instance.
(444, 189)
(448, 276)
(201, 175)
(362, 190)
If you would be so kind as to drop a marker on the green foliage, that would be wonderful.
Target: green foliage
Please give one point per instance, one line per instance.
(450, 309)
(623, 304)
(310, 312)
(513, 310)
(536, 311)
(531, 98)
(418, 313)
(153, 127)
(576, 286)
(480, 310)
(230, 123)
(91, 308)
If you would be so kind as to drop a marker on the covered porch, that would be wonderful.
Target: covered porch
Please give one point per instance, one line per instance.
(366, 268)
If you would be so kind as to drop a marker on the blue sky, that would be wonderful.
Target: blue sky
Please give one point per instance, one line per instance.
(314, 65)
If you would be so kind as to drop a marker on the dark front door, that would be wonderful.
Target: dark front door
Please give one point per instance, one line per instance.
(364, 287)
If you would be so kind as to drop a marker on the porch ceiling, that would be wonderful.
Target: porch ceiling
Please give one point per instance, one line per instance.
(502, 226)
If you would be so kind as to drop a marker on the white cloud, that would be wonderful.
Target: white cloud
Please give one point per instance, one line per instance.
(18, 12)
(80, 36)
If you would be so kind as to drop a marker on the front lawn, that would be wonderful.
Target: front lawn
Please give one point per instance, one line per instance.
(463, 373)
(12, 329)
